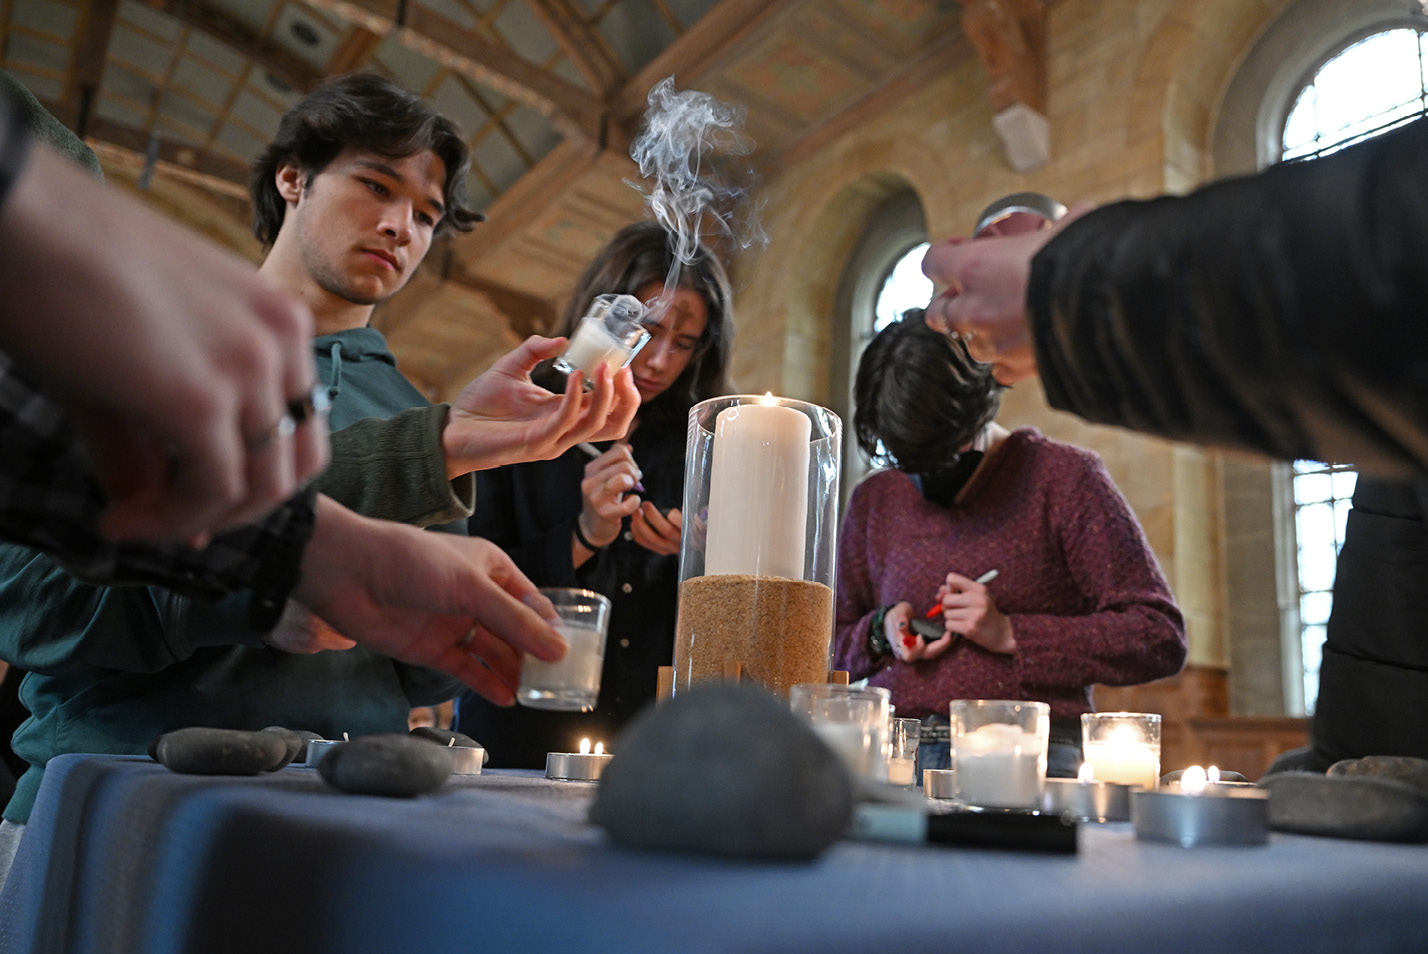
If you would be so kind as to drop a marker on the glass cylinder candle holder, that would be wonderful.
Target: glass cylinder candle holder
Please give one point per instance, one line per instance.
(999, 752)
(760, 541)
(1122, 747)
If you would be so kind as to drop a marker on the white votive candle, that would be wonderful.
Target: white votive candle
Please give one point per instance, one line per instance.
(572, 682)
(592, 346)
(999, 766)
(859, 746)
(901, 771)
(1128, 763)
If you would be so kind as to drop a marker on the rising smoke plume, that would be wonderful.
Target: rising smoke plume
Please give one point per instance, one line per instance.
(689, 154)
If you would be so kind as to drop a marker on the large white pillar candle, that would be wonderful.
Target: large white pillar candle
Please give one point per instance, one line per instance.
(758, 491)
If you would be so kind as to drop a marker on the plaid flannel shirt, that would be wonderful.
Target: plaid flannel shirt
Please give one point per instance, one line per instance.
(50, 500)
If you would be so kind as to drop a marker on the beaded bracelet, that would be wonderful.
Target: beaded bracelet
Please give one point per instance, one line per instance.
(877, 637)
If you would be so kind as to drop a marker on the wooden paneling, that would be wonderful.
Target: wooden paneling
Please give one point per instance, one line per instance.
(1196, 725)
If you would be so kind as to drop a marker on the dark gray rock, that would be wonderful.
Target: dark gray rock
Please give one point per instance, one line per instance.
(294, 744)
(391, 764)
(305, 736)
(204, 751)
(1403, 768)
(448, 737)
(1362, 807)
(724, 769)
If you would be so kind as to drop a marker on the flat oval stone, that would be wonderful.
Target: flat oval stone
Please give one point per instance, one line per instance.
(391, 764)
(724, 769)
(291, 740)
(1404, 768)
(306, 736)
(449, 737)
(1362, 807)
(204, 751)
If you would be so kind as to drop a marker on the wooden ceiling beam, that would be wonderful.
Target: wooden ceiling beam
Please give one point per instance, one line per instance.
(93, 28)
(270, 56)
(585, 50)
(354, 53)
(215, 172)
(575, 113)
(711, 42)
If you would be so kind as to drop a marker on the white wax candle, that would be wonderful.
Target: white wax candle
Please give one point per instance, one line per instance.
(999, 766)
(592, 345)
(1126, 762)
(579, 668)
(900, 771)
(758, 492)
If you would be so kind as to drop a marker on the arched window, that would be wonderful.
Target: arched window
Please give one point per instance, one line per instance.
(882, 280)
(1364, 87)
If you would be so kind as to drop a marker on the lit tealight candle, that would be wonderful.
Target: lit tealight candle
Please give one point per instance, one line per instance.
(1201, 811)
(1123, 754)
(1086, 798)
(582, 766)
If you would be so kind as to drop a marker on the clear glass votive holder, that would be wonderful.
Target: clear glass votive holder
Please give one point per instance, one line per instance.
(610, 334)
(851, 720)
(902, 752)
(1122, 747)
(572, 683)
(998, 751)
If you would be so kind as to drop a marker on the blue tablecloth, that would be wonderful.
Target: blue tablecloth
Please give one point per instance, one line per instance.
(123, 855)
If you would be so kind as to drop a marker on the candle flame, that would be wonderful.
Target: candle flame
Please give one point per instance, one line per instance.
(1086, 773)
(1192, 780)
(768, 398)
(345, 738)
(599, 748)
(584, 746)
(1212, 775)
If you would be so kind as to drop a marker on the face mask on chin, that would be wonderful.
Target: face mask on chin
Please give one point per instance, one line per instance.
(942, 486)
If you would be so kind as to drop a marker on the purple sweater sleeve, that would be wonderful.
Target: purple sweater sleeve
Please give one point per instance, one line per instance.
(857, 598)
(1132, 631)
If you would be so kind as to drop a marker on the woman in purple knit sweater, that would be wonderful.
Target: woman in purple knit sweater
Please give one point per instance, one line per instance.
(1077, 598)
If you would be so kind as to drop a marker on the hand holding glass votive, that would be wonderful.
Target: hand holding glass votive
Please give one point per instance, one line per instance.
(851, 720)
(999, 752)
(610, 334)
(572, 683)
(1122, 747)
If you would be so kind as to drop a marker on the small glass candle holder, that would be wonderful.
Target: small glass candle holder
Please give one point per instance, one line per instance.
(1122, 747)
(610, 334)
(572, 683)
(902, 752)
(999, 752)
(851, 720)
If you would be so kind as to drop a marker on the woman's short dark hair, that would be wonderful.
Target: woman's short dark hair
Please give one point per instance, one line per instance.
(364, 111)
(641, 254)
(919, 398)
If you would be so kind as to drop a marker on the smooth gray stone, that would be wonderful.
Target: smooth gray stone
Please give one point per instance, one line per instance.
(204, 751)
(724, 769)
(291, 739)
(306, 736)
(392, 764)
(1404, 768)
(1362, 807)
(448, 737)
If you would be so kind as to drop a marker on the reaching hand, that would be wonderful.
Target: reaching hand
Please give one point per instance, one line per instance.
(907, 644)
(176, 361)
(453, 603)
(298, 631)
(502, 417)
(983, 297)
(968, 610)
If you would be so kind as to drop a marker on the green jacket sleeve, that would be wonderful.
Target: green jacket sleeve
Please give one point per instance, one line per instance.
(395, 469)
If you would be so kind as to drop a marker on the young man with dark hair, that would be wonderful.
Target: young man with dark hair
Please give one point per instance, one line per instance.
(366, 174)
